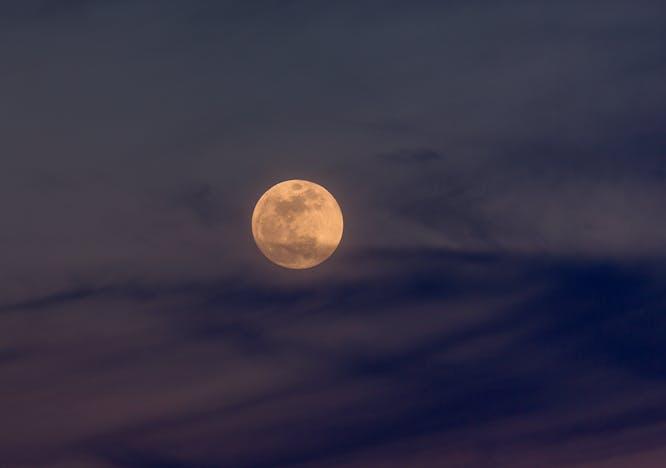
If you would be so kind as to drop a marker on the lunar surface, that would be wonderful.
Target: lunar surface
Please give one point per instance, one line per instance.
(297, 224)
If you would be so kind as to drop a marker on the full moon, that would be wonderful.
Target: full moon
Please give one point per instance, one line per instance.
(297, 224)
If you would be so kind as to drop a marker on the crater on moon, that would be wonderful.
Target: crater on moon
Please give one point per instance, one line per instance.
(297, 224)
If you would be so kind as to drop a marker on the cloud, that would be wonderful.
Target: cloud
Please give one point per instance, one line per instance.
(497, 298)
(431, 345)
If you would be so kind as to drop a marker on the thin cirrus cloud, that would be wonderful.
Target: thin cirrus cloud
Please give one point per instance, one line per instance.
(317, 373)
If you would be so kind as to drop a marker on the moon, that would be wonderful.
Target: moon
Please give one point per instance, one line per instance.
(297, 224)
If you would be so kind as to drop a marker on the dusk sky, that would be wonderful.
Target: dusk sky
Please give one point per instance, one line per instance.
(499, 295)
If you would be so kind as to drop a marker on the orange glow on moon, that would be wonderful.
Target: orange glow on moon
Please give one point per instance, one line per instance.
(297, 224)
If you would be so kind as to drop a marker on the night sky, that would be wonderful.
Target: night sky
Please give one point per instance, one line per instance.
(499, 296)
